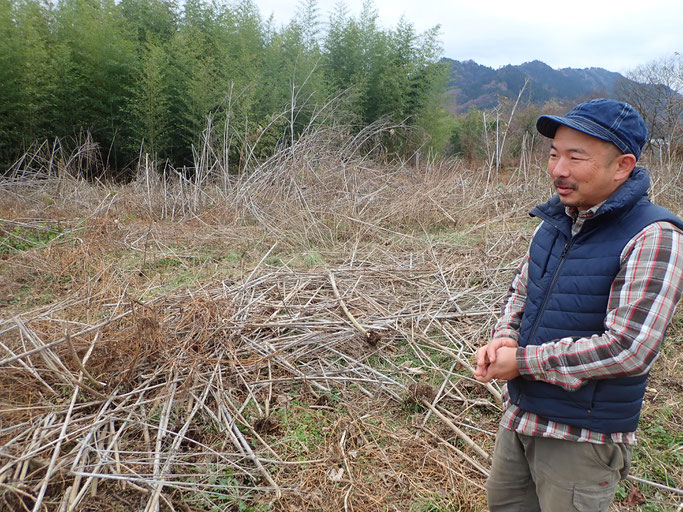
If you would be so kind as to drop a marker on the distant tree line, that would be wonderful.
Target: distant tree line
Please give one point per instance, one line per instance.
(655, 89)
(151, 74)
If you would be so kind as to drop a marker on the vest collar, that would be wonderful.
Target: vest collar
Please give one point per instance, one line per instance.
(635, 187)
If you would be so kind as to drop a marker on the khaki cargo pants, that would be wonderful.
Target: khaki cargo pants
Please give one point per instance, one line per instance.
(531, 474)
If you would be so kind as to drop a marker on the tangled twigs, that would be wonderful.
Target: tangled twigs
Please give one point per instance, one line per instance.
(164, 376)
(370, 336)
(467, 439)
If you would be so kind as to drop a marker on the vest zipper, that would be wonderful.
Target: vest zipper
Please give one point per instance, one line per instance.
(546, 297)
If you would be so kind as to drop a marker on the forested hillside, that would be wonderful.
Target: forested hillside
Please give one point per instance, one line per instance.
(475, 85)
(153, 75)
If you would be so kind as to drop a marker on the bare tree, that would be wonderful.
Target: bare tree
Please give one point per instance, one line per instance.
(655, 90)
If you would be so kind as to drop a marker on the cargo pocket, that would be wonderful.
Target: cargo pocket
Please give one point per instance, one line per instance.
(593, 498)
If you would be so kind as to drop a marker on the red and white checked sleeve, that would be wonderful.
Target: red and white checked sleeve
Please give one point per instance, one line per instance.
(510, 318)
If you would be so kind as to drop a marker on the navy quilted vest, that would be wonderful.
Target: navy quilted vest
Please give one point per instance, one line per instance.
(569, 285)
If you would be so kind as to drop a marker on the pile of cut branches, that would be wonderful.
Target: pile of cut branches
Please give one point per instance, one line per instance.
(161, 397)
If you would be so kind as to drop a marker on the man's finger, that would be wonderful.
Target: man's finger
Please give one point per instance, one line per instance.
(483, 377)
(482, 356)
(491, 350)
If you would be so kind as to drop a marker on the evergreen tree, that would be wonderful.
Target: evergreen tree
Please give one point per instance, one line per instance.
(37, 85)
(103, 58)
(129, 71)
(150, 21)
(293, 73)
(11, 60)
(149, 107)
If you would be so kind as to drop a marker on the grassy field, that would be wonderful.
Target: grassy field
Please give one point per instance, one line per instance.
(295, 338)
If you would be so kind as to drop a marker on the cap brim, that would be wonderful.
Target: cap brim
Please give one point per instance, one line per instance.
(548, 125)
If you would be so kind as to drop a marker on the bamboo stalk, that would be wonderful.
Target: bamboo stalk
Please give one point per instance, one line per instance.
(464, 437)
(348, 314)
(55, 453)
(86, 373)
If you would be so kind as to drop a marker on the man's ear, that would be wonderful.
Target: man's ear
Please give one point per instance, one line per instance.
(625, 165)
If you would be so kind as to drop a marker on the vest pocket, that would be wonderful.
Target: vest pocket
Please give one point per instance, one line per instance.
(584, 395)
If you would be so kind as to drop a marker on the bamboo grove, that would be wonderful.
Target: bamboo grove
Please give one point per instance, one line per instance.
(148, 75)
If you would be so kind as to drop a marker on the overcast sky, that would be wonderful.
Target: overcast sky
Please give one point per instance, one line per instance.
(613, 34)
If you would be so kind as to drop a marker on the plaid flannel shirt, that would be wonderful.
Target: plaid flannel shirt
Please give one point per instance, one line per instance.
(642, 301)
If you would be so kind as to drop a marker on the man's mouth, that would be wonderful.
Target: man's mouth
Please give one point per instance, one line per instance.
(564, 187)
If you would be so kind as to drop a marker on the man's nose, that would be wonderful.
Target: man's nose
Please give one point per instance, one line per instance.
(559, 168)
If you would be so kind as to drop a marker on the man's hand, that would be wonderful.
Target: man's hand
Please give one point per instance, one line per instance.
(497, 360)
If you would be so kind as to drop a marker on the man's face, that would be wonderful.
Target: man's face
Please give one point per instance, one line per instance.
(585, 170)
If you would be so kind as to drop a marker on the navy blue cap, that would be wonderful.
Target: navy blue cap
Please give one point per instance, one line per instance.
(612, 121)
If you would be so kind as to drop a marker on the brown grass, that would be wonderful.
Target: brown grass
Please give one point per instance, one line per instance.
(184, 348)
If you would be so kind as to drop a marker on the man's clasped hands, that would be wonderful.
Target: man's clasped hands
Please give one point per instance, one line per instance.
(497, 360)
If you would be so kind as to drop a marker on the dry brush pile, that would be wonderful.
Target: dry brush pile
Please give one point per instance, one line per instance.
(340, 385)
(156, 395)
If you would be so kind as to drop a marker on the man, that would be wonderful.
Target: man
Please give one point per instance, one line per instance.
(586, 313)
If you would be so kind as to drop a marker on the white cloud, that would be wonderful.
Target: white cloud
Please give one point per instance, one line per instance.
(616, 35)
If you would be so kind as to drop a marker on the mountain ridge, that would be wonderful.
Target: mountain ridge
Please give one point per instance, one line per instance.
(475, 85)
